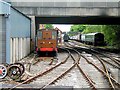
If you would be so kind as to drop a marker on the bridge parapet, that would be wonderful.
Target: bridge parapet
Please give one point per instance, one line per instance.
(67, 7)
(64, 3)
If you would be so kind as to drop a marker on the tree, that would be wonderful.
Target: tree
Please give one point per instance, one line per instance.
(111, 32)
(93, 28)
(112, 35)
(49, 26)
(77, 28)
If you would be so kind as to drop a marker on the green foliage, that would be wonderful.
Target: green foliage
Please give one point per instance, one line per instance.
(77, 28)
(112, 35)
(111, 32)
(49, 26)
(93, 28)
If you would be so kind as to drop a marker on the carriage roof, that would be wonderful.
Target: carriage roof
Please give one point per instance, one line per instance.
(93, 33)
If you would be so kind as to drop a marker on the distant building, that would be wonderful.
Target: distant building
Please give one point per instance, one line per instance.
(59, 35)
(41, 26)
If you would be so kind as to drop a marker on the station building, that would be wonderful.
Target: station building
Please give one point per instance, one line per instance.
(15, 34)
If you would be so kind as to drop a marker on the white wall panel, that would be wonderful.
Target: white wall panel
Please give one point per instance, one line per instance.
(16, 49)
(25, 47)
(21, 48)
(11, 50)
(28, 46)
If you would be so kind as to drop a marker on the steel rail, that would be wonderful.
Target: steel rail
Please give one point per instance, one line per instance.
(80, 69)
(104, 72)
(60, 76)
(42, 73)
(109, 79)
(107, 57)
(111, 58)
(110, 64)
(112, 79)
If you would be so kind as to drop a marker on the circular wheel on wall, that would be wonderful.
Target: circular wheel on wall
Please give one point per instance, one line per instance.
(14, 72)
(22, 68)
(3, 71)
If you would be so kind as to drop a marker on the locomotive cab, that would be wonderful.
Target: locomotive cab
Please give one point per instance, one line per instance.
(99, 39)
(46, 42)
(66, 38)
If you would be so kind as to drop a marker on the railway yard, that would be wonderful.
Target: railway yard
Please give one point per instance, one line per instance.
(77, 67)
(58, 45)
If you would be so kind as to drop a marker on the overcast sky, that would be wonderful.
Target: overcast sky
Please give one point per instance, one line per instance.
(63, 27)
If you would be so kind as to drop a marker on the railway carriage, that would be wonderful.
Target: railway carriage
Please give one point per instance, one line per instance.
(96, 39)
(46, 42)
(93, 38)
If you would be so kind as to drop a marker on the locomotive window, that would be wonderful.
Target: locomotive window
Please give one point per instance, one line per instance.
(39, 34)
(89, 37)
(54, 34)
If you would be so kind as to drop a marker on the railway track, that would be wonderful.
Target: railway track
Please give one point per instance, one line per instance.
(112, 61)
(74, 63)
(104, 72)
(40, 74)
(105, 57)
(56, 73)
(89, 50)
(69, 69)
(89, 80)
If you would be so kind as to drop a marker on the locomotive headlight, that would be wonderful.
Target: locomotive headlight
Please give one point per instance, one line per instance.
(49, 42)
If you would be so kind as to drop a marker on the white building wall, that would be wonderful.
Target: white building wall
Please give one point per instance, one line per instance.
(20, 48)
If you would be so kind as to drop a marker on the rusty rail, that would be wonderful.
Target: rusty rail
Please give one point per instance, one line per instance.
(42, 73)
(106, 71)
(60, 76)
(91, 83)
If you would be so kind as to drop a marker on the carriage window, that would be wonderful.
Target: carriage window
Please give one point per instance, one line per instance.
(54, 35)
(39, 34)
